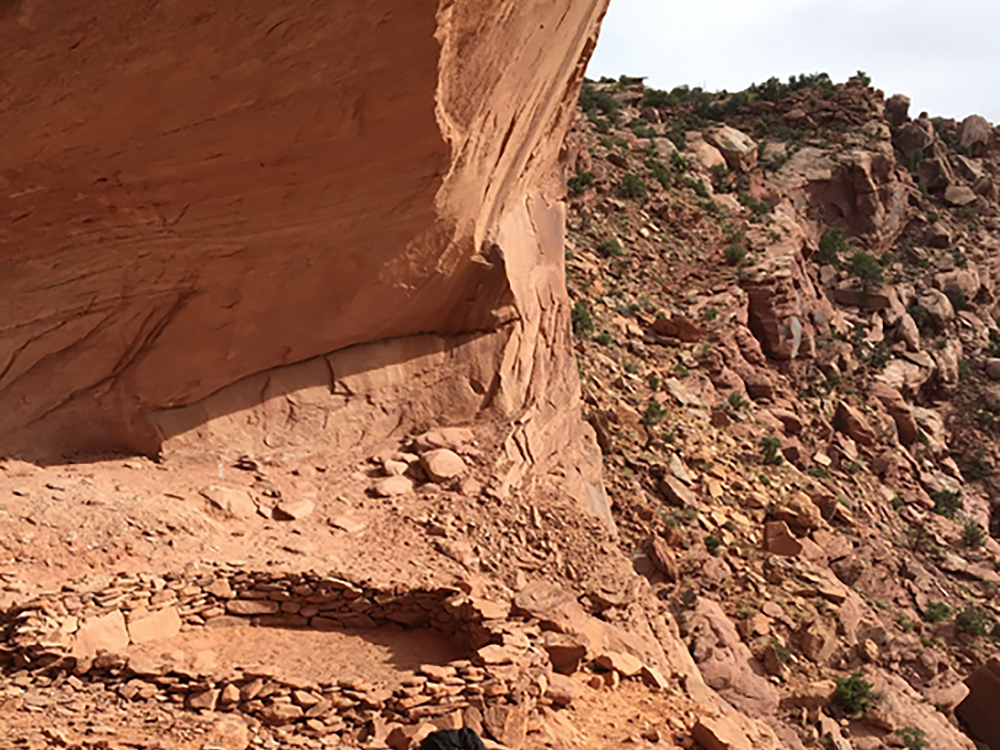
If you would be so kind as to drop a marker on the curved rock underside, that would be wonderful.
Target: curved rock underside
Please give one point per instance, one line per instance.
(283, 224)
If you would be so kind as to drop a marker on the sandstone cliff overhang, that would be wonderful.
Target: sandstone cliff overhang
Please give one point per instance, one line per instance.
(195, 200)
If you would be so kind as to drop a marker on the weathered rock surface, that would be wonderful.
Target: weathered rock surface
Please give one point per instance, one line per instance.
(214, 249)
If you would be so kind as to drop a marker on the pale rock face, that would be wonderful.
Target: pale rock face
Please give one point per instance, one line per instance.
(738, 149)
(857, 190)
(975, 133)
(267, 260)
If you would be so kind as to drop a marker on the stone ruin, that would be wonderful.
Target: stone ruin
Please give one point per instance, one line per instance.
(81, 634)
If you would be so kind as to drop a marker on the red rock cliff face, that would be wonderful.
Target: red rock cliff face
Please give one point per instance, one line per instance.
(219, 225)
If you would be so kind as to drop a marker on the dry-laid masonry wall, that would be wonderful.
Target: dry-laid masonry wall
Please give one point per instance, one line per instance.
(81, 634)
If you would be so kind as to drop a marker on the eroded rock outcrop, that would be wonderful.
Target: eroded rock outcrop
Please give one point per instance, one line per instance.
(265, 227)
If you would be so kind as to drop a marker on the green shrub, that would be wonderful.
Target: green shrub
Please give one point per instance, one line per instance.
(958, 299)
(986, 418)
(977, 467)
(583, 321)
(657, 99)
(632, 186)
(964, 369)
(866, 269)
(580, 182)
(714, 545)
(831, 244)
(960, 260)
(946, 503)
(594, 100)
(854, 694)
(913, 738)
(655, 413)
(973, 620)
(710, 313)
(660, 172)
(758, 209)
(735, 254)
(866, 80)
(610, 249)
(973, 535)
(737, 402)
(937, 612)
(603, 338)
(720, 176)
(678, 136)
(920, 314)
(770, 447)
(697, 185)
(601, 125)
(679, 163)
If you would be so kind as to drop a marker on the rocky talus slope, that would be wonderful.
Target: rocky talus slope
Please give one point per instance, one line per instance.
(786, 323)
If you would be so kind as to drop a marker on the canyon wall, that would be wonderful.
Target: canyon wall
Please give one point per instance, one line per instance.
(284, 226)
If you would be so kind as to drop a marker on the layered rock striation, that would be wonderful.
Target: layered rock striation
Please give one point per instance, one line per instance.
(284, 227)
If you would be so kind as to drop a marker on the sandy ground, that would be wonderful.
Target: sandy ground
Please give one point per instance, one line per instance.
(379, 656)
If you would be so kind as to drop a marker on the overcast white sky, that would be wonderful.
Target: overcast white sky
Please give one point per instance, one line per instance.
(944, 56)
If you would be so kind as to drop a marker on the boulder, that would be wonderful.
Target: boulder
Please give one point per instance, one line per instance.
(103, 633)
(976, 134)
(507, 724)
(279, 714)
(233, 502)
(979, 710)
(662, 557)
(779, 540)
(818, 641)
(914, 137)
(738, 149)
(442, 464)
(720, 734)
(938, 236)
(393, 486)
(897, 109)
(936, 173)
(965, 281)
(677, 493)
(703, 153)
(938, 306)
(452, 438)
(566, 651)
(798, 510)
(554, 607)
(624, 664)
(908, 332)
(969, 169)
(293, 510)
(680, 327)
(562, 690)
(959, 195)
(852, 423)
(725, 661)
(812, 695)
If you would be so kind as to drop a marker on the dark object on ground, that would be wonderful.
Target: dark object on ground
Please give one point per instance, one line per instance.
(453, 739)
